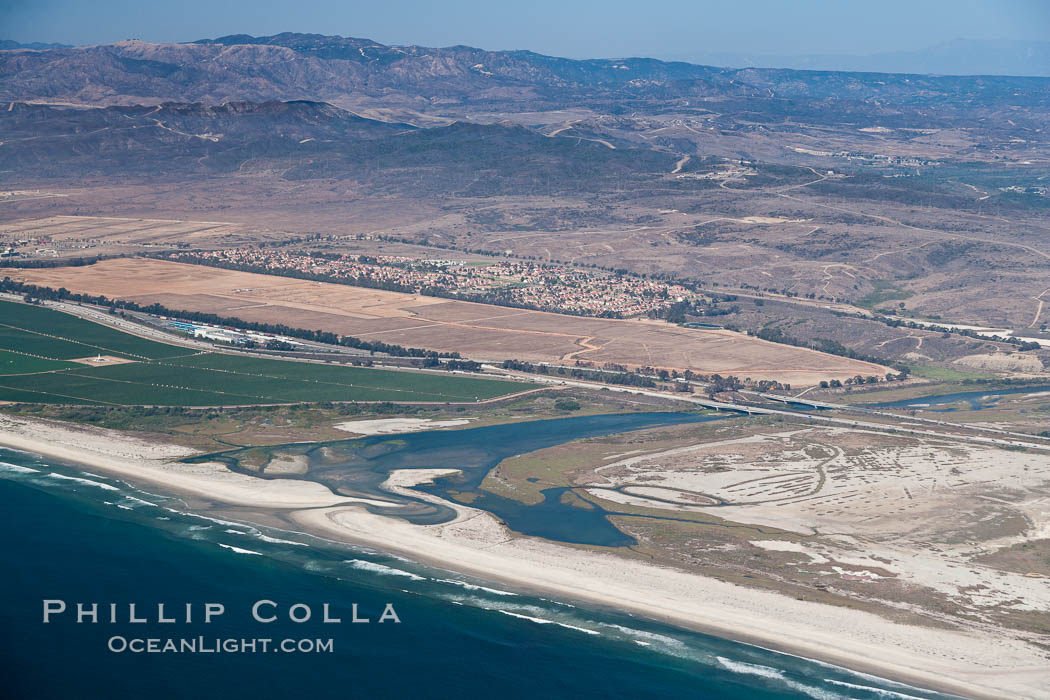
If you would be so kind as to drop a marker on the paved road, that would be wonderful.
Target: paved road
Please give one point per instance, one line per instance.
(146, 331)
(889, 414)
(816, 418)
(152, 333)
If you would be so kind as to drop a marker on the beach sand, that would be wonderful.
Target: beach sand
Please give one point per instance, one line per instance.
(143, 461)
(989, 664)
(386, 426)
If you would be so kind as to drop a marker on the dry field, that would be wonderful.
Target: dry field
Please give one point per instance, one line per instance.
(263, 208)
(65, 236)
(475, 330)
(780, 236)
(112, 229)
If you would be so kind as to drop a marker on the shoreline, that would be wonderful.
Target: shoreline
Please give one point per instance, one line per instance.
(477, 544)
(310, 522)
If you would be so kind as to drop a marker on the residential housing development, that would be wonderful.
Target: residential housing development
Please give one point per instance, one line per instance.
(514, 283)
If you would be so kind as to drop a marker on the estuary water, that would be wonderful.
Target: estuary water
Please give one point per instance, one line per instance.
(358, 467)
(978, 399)
(79, 537)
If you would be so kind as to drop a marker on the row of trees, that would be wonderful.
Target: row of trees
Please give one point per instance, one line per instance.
(832, 347)
(450, 365)
(894, 322)
(860, 380)
(56, 262)
(317, 336)
(590, 375)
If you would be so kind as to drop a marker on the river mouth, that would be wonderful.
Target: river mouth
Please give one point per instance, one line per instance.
(71, 529)
(359, 467)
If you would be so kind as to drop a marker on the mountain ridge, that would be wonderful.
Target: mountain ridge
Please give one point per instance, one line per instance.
(300, 140)
(351, 72)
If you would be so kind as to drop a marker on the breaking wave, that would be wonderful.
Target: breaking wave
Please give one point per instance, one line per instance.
(382, 569)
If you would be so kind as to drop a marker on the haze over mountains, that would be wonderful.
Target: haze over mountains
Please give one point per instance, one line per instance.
(358, 72)
(837, 185)
(958, 57)
(8, 44)
(306, 104)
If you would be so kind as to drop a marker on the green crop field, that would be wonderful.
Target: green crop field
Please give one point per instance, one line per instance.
(42, 345)
(35, 340)
(325, 378)
(60, 336)
(18, 363)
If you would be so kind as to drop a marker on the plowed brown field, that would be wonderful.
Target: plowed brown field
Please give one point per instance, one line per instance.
(478, 331)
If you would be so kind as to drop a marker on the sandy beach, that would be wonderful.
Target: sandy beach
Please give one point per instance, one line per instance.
(387, 426)
(989, 664)
(143, 461)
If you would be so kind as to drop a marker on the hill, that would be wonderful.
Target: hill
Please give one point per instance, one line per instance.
(920, 195)
(351, 71)
(304, 140)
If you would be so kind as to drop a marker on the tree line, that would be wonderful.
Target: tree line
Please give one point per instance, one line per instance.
(1022, 345)
(32, 291)
(592, 375)
(832, 347)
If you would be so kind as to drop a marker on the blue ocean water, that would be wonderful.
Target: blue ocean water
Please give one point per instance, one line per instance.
(79, 537)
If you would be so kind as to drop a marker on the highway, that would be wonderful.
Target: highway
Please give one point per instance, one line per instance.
(151, 332)
(94, 314)
(889, 414)
(812, 417)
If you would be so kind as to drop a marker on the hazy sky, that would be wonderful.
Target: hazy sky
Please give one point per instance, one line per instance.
(580, 28)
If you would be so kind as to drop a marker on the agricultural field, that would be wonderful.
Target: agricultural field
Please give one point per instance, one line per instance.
(19, 363)
(38, 345)
(478, 331)
(77, 236)
(36, 330)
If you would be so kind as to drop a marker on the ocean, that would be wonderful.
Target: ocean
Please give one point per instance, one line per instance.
(81, 538)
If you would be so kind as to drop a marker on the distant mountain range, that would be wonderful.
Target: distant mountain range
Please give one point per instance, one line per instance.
(357, 73)
(8, 45)
(958, 57)
(462, 121)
